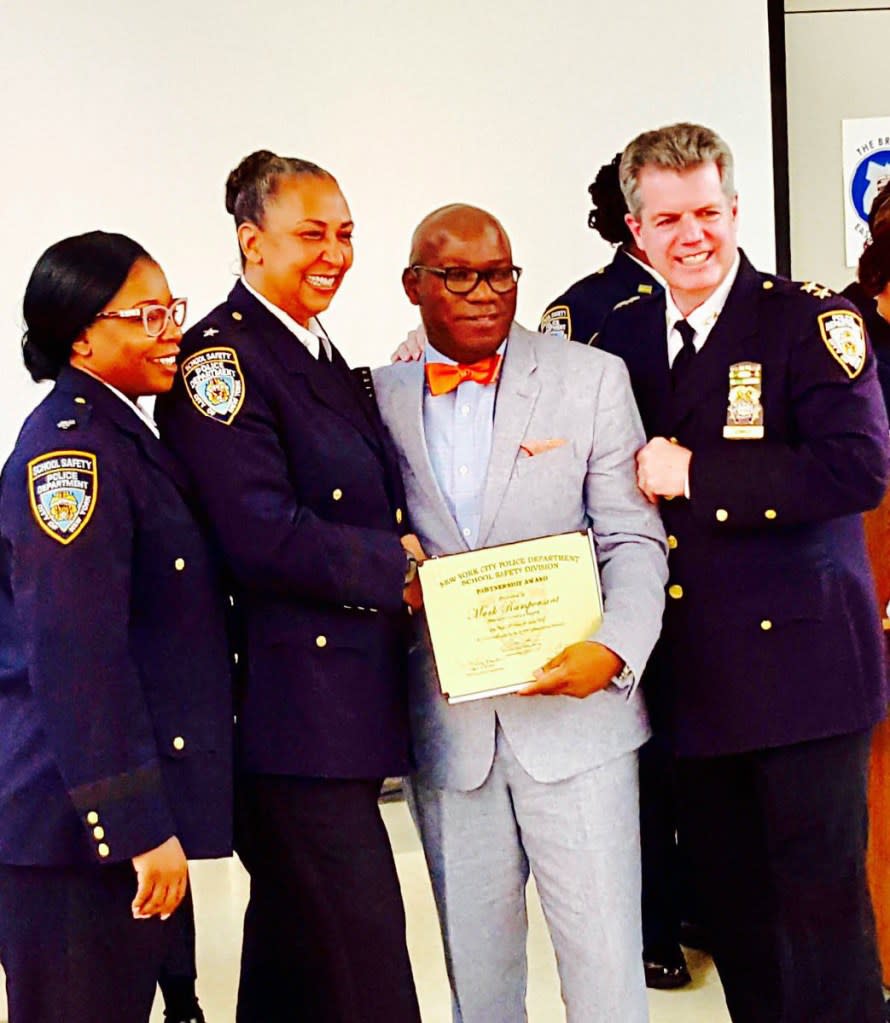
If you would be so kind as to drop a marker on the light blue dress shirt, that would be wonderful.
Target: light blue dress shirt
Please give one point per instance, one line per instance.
(458, 427)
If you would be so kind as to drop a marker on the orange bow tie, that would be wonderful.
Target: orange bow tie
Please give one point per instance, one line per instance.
(442, 377)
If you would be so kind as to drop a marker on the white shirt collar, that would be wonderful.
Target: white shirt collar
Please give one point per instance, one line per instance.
(133, 405)
(703, 317)
(311, 338)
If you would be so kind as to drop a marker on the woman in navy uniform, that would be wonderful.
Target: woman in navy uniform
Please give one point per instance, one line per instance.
(301, 485)
(115, 701)
(579, 313)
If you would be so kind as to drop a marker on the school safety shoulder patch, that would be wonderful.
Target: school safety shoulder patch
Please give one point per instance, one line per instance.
(844, 336)
(63, 487)
(214, 382)
(557, 321)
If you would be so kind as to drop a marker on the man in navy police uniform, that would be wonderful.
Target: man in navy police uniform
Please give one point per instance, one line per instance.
(768, 439)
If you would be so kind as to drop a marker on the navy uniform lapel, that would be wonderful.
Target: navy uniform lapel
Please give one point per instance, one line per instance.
(100, 400)
(329, 383)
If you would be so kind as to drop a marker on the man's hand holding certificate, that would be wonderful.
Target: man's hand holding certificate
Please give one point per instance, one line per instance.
(579, 670)
(518, 615)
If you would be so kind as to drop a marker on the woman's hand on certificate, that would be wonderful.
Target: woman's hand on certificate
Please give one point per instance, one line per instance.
(579, 670)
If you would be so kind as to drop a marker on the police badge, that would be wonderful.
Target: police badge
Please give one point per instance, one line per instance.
(744, 416)
(62, 490)
(844, 337)
(214, 383)
(558, 322)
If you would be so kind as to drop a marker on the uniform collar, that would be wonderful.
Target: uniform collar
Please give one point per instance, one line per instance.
(311, 338)
(73, 375)
(651, 271)
(703, 317)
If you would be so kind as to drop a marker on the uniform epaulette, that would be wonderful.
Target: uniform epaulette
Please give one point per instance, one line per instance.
(816, 289)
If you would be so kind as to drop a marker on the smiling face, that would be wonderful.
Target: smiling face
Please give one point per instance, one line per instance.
(119, 351)
(687, 228)
(463, 327)
(299, 256)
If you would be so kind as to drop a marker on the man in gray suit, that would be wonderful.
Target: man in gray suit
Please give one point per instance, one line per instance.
(504, 435)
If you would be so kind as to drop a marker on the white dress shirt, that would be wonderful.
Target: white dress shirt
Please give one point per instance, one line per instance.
(702, 318)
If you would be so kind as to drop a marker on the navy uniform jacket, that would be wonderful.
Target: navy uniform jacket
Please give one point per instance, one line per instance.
(579, 314)
(771, 632)
(299, 480)
(115, 690)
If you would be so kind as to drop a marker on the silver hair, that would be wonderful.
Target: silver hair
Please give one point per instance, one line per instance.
(677, 147)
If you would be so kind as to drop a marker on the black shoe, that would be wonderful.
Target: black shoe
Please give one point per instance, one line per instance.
(694, 935)
(665, 968)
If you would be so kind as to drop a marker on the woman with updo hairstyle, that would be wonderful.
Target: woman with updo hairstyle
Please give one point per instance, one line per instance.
(301, 486)
(115, 701)
(579, 313)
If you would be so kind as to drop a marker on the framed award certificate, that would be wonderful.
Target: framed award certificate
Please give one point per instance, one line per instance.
(497, 614)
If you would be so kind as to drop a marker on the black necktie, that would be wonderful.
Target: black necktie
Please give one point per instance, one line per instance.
(683, 358)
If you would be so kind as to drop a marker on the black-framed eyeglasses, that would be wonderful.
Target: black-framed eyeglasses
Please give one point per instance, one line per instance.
(461, 280)
(155, 318)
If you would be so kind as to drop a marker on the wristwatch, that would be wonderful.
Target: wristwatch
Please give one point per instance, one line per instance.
(624, 678)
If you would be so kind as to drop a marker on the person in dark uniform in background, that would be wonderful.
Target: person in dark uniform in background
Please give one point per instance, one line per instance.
(768, 439)
(877, 326)
(115, 694)
(579, 313)
(300, 482)
(874, 275)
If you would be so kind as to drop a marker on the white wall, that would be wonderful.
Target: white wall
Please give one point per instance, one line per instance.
(128, 117)
(821, 94)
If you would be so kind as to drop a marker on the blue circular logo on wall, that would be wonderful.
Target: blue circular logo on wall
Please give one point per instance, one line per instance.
(870, 176)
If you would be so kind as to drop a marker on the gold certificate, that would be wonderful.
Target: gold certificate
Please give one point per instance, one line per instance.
(497, 614)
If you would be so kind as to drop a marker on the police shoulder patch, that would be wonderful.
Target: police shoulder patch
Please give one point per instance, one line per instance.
(557, 321)
(214, 382)
(63, 487)
(844, 337)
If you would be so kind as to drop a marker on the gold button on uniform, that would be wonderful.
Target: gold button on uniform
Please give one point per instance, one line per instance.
(399, 516)
(766, 625)
(179, 564)
(675, 591)
(179, 742)
(672, 542)
(321, 641)
(770, 513)
(103, 850)
(237, 316)
(673, 440)
(80, 401)
(337, 494)
(767, 285)
(92, 817)
(98, 832)
(722, 514)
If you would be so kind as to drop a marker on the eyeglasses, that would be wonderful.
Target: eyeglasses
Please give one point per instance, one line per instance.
(155, 318)
(461, 280)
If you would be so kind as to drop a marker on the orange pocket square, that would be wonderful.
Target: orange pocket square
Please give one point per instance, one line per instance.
(538, 447)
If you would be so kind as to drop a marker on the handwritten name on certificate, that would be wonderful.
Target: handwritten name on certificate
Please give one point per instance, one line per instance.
(498, 613)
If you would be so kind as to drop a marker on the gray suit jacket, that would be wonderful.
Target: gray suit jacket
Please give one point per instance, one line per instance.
(548, 390)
